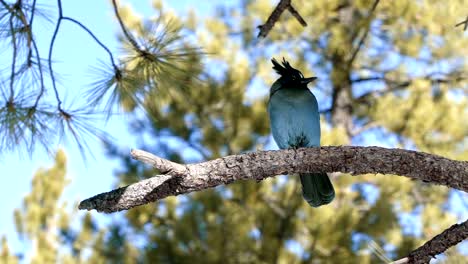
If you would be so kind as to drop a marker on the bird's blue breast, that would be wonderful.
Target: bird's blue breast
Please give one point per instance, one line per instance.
(294, 118)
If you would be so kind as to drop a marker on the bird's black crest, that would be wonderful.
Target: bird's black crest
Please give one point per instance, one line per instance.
(286, 70)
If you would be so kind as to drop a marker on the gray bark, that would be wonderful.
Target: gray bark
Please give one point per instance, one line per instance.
(179, 179)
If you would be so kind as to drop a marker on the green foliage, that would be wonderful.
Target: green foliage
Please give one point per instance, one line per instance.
(48, 230)
(34, 220)
(5, 255)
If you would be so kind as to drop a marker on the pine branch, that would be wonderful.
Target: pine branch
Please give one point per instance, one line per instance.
(31, 19)
(179, 179)
(464, 23)
(127, 34)
(22, 121)
(397, 85)
(51, 48)
(275, 15)
(437, 245)
(41, 74)
(111, 57)
(13, 64)
(56, 30)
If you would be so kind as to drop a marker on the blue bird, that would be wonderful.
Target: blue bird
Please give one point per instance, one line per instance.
(295, 123)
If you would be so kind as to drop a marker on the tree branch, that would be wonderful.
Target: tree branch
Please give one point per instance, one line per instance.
(179, 179)
(51, 48)
(95, 39)
(464, 23)
(275, 15)
(296, 14)
(396, 85)
(127, 33)
(437, 245)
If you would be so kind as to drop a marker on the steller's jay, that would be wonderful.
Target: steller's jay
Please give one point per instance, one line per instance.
(295, 123)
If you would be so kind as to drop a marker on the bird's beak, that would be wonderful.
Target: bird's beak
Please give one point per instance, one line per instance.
(308, 80)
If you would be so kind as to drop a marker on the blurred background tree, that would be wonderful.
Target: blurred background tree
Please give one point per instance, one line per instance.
(393, 77)
(51, 234)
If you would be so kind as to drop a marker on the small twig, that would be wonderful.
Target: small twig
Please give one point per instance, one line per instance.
(275, 15)
(367, 79)
(41, 74)
(396, 85)
(26, 27)
(400, 261)
(465, 23)
(51, 47)
(31, 19)
(296, 14)
(7, 6)
(95, 39)
(13, 64)
(437, 245)
(127, 34)
(273, 18)
(59, 20)
(369, 125)
(163, 165)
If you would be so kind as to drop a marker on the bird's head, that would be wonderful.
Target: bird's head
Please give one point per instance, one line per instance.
(290, 77)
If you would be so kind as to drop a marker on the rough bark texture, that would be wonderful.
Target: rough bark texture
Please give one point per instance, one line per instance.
(437, 245)
(179, 179)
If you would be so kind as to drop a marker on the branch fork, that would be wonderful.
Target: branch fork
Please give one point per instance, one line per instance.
(275, 15)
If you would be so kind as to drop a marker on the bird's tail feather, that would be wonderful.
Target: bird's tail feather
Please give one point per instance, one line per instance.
(317, 188)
